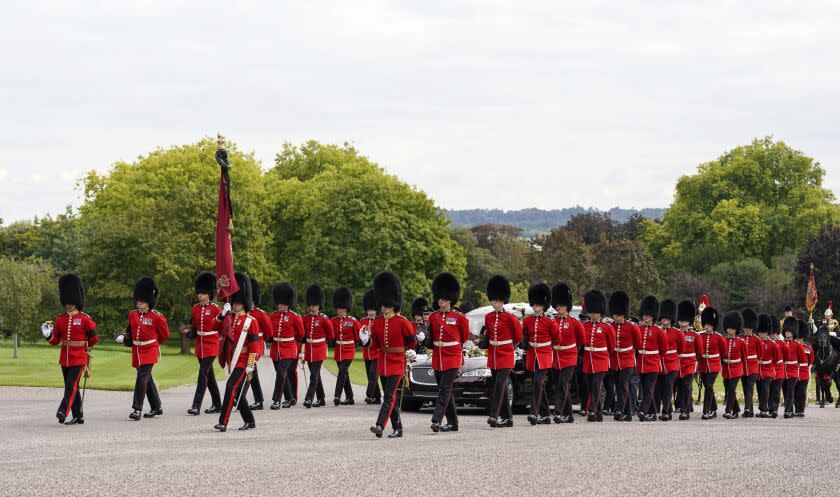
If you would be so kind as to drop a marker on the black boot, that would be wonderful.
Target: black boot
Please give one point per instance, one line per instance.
(336, 401)
(435, 427)
(376, 430)
(449, 427)
(61, 417)
(248, 426)
(288, 404)
(135, 415)
(193, 411)
(213, 410)
(307, 403)
(492, 421)
(349, 402)
(76, 421)
(368, 400)
(397, 433)
(220, 427)
(153, 412)
(275, 406)
(505, 423)
(319, 403)
(256, 406)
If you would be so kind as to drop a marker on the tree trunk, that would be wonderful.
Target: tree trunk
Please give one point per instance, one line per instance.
(15, 342)
(185, 345)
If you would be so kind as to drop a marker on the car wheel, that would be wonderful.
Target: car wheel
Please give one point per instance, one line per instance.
(411, 405)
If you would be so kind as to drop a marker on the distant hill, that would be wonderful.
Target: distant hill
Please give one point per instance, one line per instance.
(534, 221)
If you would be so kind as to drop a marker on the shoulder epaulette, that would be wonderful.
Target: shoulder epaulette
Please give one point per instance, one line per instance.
(158, 312)
(324, 316)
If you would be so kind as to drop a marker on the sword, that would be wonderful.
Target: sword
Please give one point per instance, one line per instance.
(86, 375)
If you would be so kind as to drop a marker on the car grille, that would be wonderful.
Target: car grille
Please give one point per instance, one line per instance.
(423, 376)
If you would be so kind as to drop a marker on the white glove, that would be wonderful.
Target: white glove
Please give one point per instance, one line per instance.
(410, 355)
(120, 338)
(46, 330)
(225, 309)
(421, 336)
(249, 369)
(364, 336)
(300, 357)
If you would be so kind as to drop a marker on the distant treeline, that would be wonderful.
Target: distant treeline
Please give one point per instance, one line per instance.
(534, 221)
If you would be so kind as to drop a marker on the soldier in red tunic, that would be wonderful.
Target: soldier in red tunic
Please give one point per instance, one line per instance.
(392, 335)
(449, 329)
(346, 328)
(664, 394)
(651, 353)
(265, 324)
(753, 343)
(628, 338)
(147, 330)
(285, 333)
(318, 329)
(781, 372)
(800, 396)
(373, 394)
(540, 333)
(565, 353)
(794, 355)
(204, 327)
(733, 358)
(768, 354)
(688, 357)
(75, 331)
(246, 345)
(712, 345)
(598, 345)
(501, 334)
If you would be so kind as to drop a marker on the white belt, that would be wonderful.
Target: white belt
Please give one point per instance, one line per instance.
(791, 362)
(671, 351)
(752, 357)
(317, 340)
(345, 342)
(595, 349)
(624, 349)
(283, 339)
(709, 356)
(731, 361)
(765, 362)
(564, 347)
(648, 352)
(803, 364)
(541, 344)
(687, 355)
(205, 333)
(496, 343)
(149, 342)
(446, 344)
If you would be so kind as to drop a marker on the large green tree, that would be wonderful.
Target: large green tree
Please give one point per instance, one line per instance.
(561, 255)
(54, 239)
(337, 219)
(157, 216)
(758, 200)
(28, 296)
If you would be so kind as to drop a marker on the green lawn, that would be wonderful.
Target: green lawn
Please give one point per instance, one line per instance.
(357, 368)
(37, 366)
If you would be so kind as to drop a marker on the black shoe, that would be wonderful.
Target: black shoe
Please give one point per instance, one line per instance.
(728, 415)
(135, 415)
(153, 412)
(799, 414)
(61, 416)
(661, 417)
(618, 416)
(319, 403)
(590, 417)
(256, 406)
(747, 414)
(788, 415)
(822, 405)
(837, 405)
(683, 416)
(377, 401)
(774, 414)
(337, 401)
(761, 414)
(599, 418)
(666, 417)
(492, 421)
(348, 402)
(532, 419)
(275, 406)
(193, 411)
(505, 423)
(307, 404)
(650, 417)
(213, 410)
(288, 404)
(76, 421)
(706, 416)
(220, 427)
(607, 412)
(368, 400)
(713, 415)
(396, 433)
(248, 426)
(627, 418)
(642, 417)
(544, 420)
(435, 427)
(448, 427)
(376, 430)
(558, 419)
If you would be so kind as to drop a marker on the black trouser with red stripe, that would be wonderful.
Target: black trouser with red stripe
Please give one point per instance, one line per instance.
(445, 403)
(764, 394)
(499, 405)
(206, 381)
(72, 400)
(538, 391)
(144, 387)
(776, 394)
(291, 387)
(372, 391)
(281, 379)
(709, 401)
(685, 396)
(790, 387)
(800, 395)
(665, 392)
(315, 386)
(235, 392)
(647, 382)
(391, 402)
(342, 382)
(256, 387)
(748, 385)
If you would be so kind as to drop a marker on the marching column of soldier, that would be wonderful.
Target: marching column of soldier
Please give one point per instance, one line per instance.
(669, 347)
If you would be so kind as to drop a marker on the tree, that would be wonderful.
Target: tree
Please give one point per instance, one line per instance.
(488, 234)
(481, 265)
(28, 296)
(823, 250)
(593, 227)
(759, 200)
(560, 255)
(53, 239)
(750, 283)
(683, 285)
(338, 219)
(156, 216)
(625, 265)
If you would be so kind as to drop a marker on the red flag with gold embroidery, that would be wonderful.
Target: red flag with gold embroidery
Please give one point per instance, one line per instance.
(811, 297)
(226, 283)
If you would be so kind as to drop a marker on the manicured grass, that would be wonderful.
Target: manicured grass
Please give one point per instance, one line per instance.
(37, 366)
(357, 368)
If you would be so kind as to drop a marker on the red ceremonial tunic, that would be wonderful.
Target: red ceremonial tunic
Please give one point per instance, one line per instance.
(712, 346)
(76, 333)
(147, 332)
(370, 352)
(690, 354)
(571, 337)
(768, 356)
(653, 348)
(628, 338)
(449, 332)
(318, 329)
(794, 356)
(781, 368)
(244, 323)
(391, 337)
(504, 332)
(733, 358)
(206, 329)
(542, 333)
(805, 367)
(671, 359)
(753, 344)
(346, 331)
(265, 324)
(285, 333)
(598, 344)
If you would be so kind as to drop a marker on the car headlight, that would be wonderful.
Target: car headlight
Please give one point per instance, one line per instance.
(481, 372)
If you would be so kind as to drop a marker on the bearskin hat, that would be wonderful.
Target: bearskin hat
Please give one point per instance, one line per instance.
(668, 310)
(709, 316)
(369, 301)
(733, 320)
(804, 330)
(419, 306)
(315, 296)
(387, 289)
(788, 308)
(561, 294)
(750, 318)
(649, 306)
(256, 292)
(619, 303)
(446, 286)
(595, 302)
(764, 323)
(146, 290)
(539, 294)
(774, 320)
(686, 311)
(243, 295)
(205, 282)
(71, 291)
(284, 293)
(791, 324)
(498, 288)
(342, 298)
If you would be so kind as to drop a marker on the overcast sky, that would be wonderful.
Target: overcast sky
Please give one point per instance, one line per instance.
(480, 104)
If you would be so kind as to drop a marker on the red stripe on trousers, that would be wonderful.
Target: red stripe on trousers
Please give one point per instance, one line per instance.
(232, 395)
(75, 389)
(393, 402)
